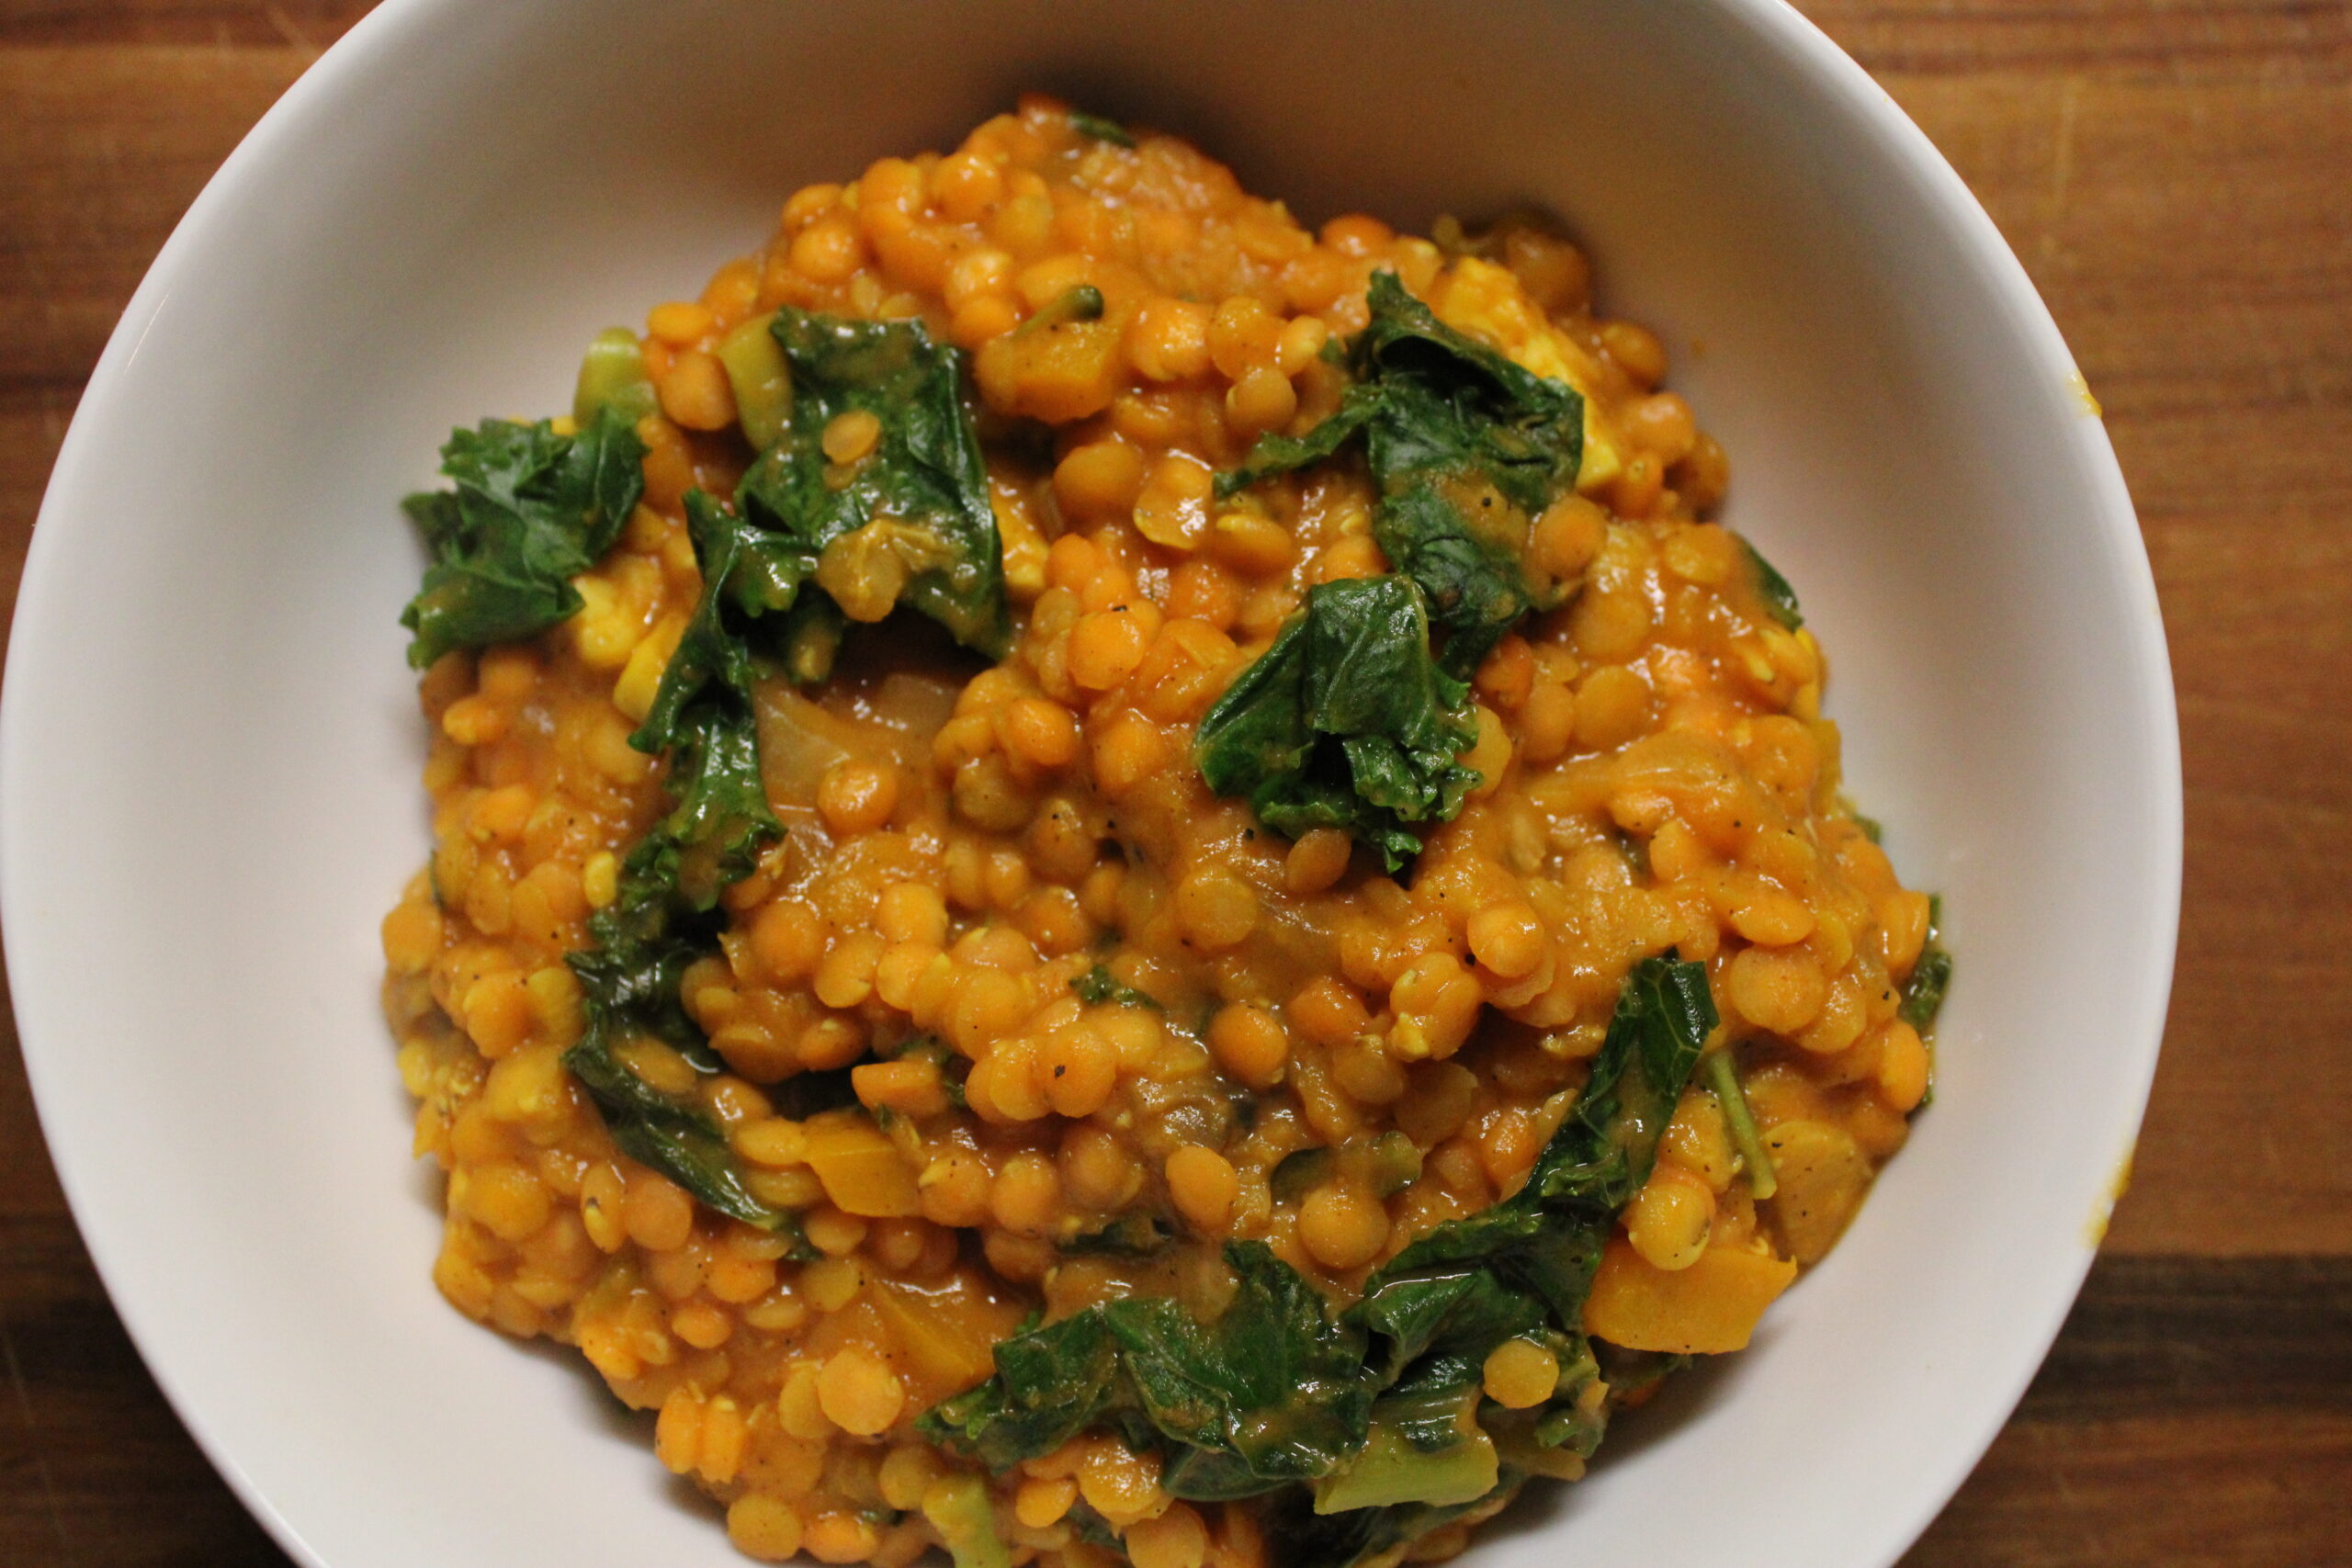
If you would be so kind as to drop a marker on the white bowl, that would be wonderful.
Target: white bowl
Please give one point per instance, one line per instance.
(211, 749)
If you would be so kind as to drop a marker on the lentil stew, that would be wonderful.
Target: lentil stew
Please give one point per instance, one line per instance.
(1113, 878)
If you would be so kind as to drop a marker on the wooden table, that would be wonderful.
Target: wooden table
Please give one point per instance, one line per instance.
(2178, 177)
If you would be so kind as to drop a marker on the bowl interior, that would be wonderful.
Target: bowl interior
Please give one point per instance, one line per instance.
(212, 750)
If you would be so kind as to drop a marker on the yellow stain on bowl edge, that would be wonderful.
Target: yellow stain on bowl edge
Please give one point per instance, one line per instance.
(2083, 394)
(2117, 1186)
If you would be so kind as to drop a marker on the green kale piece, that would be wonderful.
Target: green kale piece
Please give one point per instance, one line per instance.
(666, 1134)
(528, 511)
(1348, 721)
(1300, 1171)
(1638, 1371)
(1519, 1270)
(1345, 722)
(1468, 451)
(1098, 987)
(748, 574)
(957, 1507)
(922, 488)
(1923, 994)
(1780, 597)
(1278, 454)
(804, 1095)
(1298, 1536)
(1467, 448)
(1437, 1307)
(1129, 1235)
(1099, 129)
(954, 1068)
(641, 947)
(665, 915)
(1272, 1393)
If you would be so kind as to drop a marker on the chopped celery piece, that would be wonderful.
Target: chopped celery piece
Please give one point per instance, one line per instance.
(761, 382)
(957, 1507)
(1396, 1163)
(612, 375)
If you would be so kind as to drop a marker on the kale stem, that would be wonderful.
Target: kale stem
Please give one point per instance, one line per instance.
(1724, 1082)
(1081, 302)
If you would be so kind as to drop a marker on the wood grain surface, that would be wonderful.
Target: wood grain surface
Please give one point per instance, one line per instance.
(2178, 177)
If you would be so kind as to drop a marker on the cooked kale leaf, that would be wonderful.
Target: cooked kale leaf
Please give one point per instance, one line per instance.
(1278, 454)
(1923, 994)
(630, 990)
(1521, 1269)
(1299, 1172)
(528, 511)
(1467, 449)
(667, 1135)
(1780, 596)
(1101, 129)
(1129, 1235)
(911, 520)
(1371, 1425)
(1437, 1307)
(666, 916)
(1099, 986)
(1301, 1536)
(1345, 722)
(1349, 721)
(748, 575)
(641, 945)
(1272, 1393)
